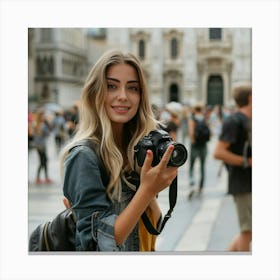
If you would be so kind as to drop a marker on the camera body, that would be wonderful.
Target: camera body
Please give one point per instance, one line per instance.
(158, 141)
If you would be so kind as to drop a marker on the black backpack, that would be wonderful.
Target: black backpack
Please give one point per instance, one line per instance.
(56, 235)
(201, 132)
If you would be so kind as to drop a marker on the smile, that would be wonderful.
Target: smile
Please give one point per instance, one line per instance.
(120, 109)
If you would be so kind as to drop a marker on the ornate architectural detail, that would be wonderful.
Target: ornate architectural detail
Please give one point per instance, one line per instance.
(182, 64)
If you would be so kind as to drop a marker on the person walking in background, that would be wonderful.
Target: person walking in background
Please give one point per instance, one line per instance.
(30, 130)
(72, 120)
(156, 111)
(216, 120)
(172, 125)
(41, 131)
(115, 114)
(234, 149)
(184, 123)
(199, 135)
(59, 127)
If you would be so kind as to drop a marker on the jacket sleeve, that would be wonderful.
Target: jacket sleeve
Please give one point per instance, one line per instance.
(84, 188)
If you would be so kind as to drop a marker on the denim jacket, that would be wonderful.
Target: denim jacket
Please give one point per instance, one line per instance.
(95, 212)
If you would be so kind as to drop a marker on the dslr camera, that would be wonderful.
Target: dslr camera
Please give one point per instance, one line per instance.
(158, 141)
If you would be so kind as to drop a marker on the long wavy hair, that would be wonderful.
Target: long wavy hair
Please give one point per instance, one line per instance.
(95, 125)
(39, 119)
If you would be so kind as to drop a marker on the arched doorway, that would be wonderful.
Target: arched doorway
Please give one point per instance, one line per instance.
(215, 90)
(173, 93)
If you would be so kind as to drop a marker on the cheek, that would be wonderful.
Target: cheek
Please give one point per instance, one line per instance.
(107, 101)
(136, 100)
(136, 103)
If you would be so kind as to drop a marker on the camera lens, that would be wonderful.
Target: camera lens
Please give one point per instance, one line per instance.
(179, 155)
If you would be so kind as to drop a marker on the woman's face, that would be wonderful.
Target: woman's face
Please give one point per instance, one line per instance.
(123, 93)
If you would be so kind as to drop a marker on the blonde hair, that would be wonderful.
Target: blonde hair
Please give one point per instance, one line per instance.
(94, 124)
(39, 119)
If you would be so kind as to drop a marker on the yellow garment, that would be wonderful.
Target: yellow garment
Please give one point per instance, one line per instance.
(147, 240)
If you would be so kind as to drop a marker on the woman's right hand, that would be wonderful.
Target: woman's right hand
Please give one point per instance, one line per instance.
(155, 179)
(152, 181)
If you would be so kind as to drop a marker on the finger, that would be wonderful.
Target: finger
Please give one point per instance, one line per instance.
(166, 157)
(148, 160)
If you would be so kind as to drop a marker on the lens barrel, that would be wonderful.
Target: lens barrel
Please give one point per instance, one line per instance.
(179, 155)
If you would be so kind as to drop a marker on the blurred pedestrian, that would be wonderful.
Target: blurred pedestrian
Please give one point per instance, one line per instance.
(172, 125)
(59, 129)
(216, 120)
(72, 120)
(41, 132)
(115, 115)
(156, 111)
(199, 135)
(235, 150)
(184, 123)
(30, 130)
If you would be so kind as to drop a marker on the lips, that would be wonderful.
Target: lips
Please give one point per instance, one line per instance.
(120, 109)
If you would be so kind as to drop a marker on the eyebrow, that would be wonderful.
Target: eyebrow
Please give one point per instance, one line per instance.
(118, 81)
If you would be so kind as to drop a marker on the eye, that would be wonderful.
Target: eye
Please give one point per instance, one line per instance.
(111, 86)
(134, 88)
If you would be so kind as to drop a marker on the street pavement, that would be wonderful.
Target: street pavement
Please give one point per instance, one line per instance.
(204, 224)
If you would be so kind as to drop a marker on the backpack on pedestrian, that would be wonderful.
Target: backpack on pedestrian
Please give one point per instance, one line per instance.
(201, 131)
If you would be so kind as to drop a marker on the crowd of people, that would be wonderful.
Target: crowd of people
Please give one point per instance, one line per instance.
(59, 124)
(114, 118)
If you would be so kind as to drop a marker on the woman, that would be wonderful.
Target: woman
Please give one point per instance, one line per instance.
(41, 133)
(115, 114)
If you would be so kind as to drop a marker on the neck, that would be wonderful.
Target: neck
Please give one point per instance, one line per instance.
(246, 110)
(118, 134)
(118, 137)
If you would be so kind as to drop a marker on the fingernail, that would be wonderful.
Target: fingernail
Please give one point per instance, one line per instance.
(149, 152)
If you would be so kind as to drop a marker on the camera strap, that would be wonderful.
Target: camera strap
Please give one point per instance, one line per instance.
(172, 202)
(134, 178)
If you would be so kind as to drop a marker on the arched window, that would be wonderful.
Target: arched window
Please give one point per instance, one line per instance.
(142, 49)
(45, 66)
(45, 94)
(38, 66)
(174, 48)
(51, 65)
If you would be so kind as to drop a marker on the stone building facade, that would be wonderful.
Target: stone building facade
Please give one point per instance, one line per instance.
(180, 64)
(57, 64)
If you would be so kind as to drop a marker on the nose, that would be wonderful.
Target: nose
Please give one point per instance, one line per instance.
(122, 94)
